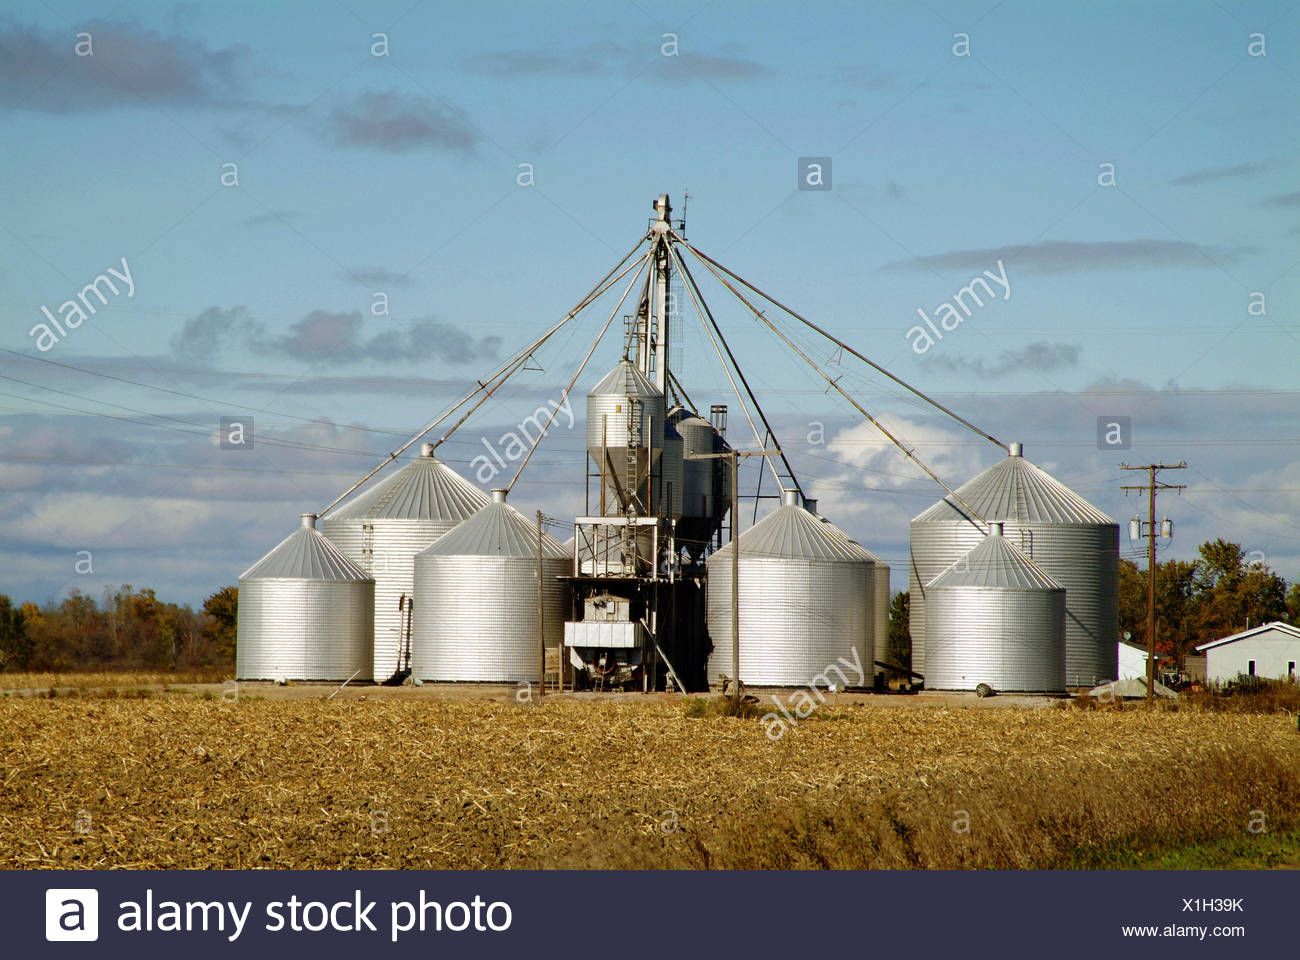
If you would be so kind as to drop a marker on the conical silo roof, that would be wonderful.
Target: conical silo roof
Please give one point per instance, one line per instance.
(424, 489)
(791, 532)
(625, 380)
(853, 544)
(994, 562)
(498, 530)
(306, 554)
(1015, 489)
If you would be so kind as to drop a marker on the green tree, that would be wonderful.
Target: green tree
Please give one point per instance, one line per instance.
(222, 609)
(15, 644)
(1234, 594)
(1175, 600)
(1219, 594)
(1293, 603)
(900, 636)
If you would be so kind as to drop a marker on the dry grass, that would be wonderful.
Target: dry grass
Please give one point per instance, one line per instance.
(201, 784)
(109, 679)
(1251, 696)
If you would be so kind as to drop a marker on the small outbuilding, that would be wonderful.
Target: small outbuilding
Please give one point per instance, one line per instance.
(1132, 660)
(1271, 650)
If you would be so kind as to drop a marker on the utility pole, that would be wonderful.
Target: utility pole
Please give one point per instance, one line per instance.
(734, 456)
(1166, 530)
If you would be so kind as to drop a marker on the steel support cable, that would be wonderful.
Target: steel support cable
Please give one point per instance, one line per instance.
(722, 362)
(555, 408)
(194, 396)
(862, 410)
(488, 393)
(204, 430)
(702, 308)
(678, 388)
(597, 291)
(705, 258)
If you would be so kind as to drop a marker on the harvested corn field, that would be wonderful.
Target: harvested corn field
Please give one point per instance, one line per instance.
(180, 782)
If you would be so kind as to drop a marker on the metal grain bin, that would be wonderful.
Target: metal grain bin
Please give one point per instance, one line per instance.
(382, 529)
(700, 517)
(995, 617)
(306, 612)
(880, 582)
(697, 490)
(476, 599)
(668, 498)
(879, 634)
(1073, 541)
(625, 412)
(806, 603)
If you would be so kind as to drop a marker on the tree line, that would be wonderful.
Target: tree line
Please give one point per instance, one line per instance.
(126, 629)
(1222, 592)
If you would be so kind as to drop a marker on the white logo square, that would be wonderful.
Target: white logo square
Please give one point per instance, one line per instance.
(72, 914)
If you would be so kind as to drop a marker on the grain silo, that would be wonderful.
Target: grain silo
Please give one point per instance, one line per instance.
(382, 529)
(306, 612)
(625, 434)
(476, 599)
(671, 471)
(995, 617)
(879, 590)
(806, 602)
(1074, 542)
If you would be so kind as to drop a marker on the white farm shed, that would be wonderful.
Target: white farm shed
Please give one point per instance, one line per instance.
(1271, 650)
(1132, 661)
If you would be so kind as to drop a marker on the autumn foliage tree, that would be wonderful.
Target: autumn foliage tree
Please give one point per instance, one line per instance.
(1221, 593)
(126, 629)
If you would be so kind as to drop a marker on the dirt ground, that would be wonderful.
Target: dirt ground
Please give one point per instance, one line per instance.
(489, 692)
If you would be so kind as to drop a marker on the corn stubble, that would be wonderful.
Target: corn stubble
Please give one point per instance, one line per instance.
(353, 784)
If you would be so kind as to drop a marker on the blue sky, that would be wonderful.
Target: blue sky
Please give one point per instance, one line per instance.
(361, 174)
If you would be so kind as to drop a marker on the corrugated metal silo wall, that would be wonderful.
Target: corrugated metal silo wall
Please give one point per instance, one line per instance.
(1083, 557)
(697, 475)
(671, 485)
(476, 617)
(305, 630)
(797, 618)
(607, 418)
(387, 552)
(1013, 640)
(880, 577)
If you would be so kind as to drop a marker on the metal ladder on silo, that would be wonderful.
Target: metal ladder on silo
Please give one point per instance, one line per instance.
(633, 449)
